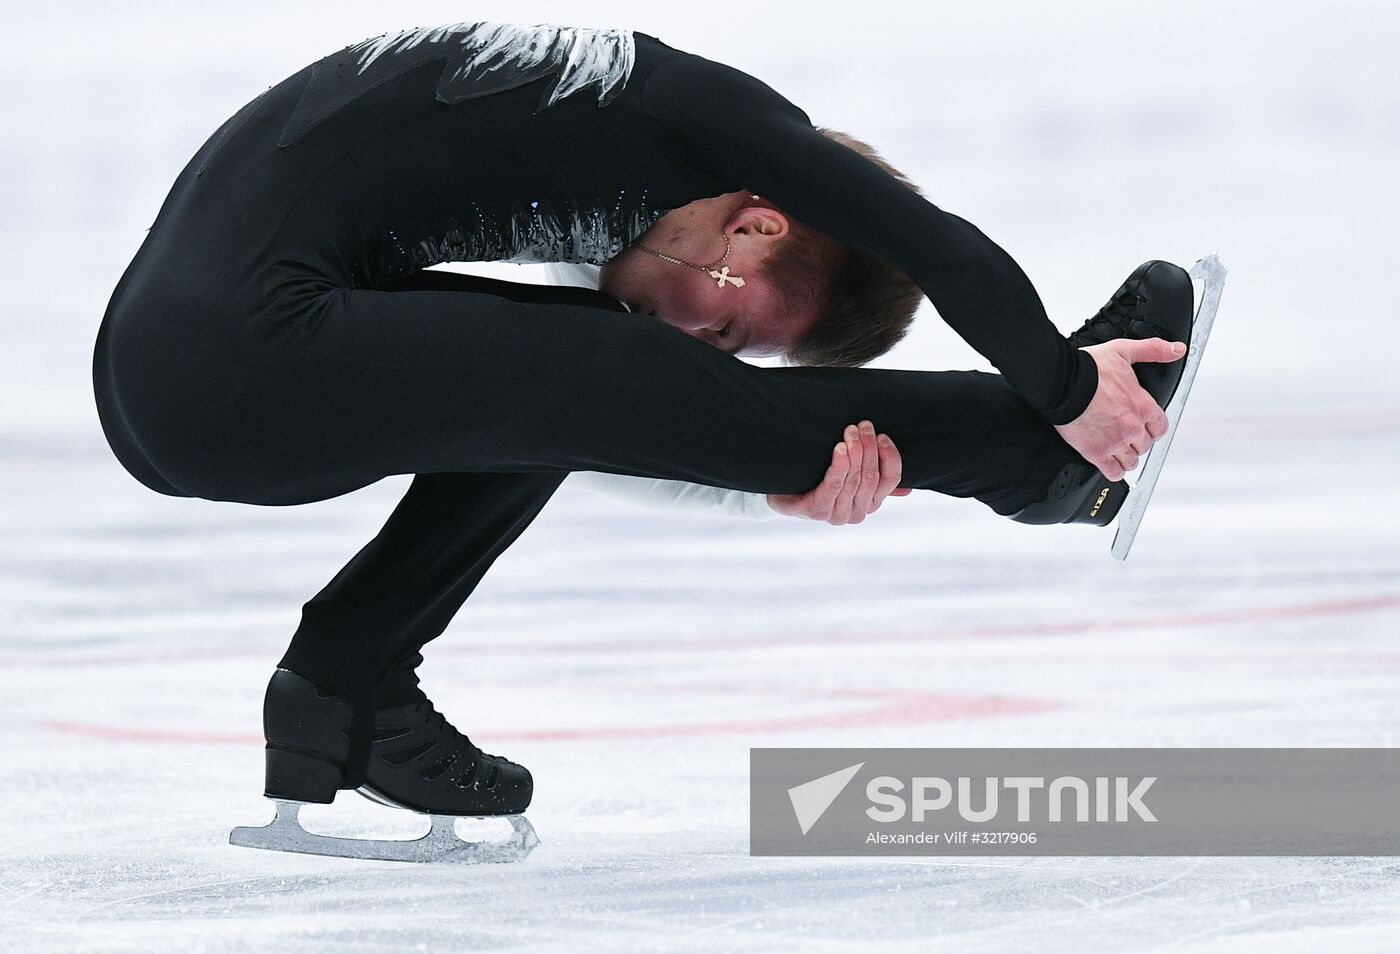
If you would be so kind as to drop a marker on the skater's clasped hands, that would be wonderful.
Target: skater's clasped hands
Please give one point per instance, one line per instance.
(865, 469)
(1122, 421)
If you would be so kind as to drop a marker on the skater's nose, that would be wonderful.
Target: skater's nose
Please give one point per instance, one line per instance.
(721, 338)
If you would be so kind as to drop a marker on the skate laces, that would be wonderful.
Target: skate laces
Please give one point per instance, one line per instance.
(1113, 319)
(437, 723)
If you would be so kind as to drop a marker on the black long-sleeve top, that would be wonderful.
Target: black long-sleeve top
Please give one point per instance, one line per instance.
(503, 142)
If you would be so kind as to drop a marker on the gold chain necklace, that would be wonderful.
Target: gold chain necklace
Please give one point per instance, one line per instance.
(715, 271)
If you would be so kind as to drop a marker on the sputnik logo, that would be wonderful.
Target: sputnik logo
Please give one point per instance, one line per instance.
(810, 800)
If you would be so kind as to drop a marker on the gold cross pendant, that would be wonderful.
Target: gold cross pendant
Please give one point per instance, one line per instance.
(724, 276)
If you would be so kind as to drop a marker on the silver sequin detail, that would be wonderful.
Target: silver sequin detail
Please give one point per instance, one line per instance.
(534, 232)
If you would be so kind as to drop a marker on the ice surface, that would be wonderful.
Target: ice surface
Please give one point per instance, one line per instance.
(630, 658)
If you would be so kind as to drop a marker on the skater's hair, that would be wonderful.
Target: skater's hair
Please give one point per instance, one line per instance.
(865, 305)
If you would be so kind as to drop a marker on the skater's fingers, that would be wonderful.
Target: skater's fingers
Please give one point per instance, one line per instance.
(823, 498)
(1110, 468)
(1150, 349)
(1158, 424)
(836, 473)
(855, 448)
(851, 504)
(841, 510)
(891, 469)
(844, 508)
(1152, 432)
(869, 471)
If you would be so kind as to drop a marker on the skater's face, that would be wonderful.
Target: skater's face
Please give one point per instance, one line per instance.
(751, 319)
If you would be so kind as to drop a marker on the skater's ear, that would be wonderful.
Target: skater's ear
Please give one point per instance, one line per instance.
(758, 221)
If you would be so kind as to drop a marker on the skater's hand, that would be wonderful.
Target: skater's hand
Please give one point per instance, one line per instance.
(1122, 421)
(865, 469)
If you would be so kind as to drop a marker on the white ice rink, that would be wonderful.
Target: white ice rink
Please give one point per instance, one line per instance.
(632, 657)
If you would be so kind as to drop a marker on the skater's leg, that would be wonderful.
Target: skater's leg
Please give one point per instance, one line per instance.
(985, 397)
(372, 383)
(404, 586)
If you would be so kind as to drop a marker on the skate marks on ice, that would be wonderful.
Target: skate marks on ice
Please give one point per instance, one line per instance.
(440, 844)
(1211, 273)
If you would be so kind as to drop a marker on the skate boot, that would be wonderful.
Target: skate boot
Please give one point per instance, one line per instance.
(1155, 301)
(1079, 494)
(417, 761)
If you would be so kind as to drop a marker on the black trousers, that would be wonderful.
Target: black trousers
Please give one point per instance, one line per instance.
(491, 392)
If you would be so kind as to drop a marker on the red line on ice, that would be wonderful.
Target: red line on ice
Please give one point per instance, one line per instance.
(896, 707)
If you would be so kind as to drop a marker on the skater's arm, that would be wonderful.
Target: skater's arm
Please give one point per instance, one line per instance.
(750, 137)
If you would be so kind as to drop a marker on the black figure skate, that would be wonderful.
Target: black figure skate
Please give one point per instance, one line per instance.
(417, 761)
(1154, 302)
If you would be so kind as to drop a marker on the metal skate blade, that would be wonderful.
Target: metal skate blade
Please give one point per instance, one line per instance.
(441, 843)
(1211, 274)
